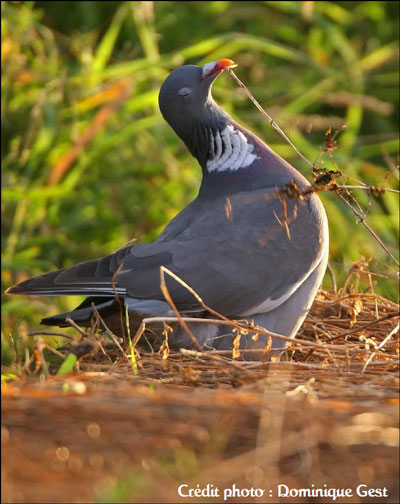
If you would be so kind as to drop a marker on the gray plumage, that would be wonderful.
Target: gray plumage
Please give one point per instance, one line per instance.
(246, 250)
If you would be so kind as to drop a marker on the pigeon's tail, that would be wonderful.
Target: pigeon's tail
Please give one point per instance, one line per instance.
(112, 314)
(89, 278)
(65, 282)
(83, 314)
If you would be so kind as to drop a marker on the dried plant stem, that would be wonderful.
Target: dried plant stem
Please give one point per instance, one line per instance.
(121, 303)
(333, 278)
(373, 189)
(358, 329)
(75, 326)
(167, 296)
(269, 118)
(39, 348)
(361, 218)
(381, 345)
(50, 333)
(312, 166)
(260, 330)
(98, 316)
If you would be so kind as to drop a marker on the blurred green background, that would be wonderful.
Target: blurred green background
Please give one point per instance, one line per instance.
(89, 163)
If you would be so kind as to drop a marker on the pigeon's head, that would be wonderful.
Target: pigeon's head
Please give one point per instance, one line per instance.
(187, 105)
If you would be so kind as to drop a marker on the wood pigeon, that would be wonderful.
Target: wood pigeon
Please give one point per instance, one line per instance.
(249, 250)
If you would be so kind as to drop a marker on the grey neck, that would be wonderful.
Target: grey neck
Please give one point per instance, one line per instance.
(218, 143)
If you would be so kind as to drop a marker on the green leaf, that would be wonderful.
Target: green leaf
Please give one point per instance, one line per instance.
(68, 364)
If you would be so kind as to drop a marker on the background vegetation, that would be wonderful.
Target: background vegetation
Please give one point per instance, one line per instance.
(89, 163)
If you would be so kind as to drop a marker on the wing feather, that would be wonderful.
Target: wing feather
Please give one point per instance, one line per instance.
(234, 262)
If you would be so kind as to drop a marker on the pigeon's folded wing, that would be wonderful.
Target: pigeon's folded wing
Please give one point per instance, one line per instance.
(236, 254)
(254, 243)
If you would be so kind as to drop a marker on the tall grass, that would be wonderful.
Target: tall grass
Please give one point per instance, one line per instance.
(89, 164)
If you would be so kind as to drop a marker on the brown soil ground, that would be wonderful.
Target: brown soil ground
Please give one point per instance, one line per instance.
(326, 414)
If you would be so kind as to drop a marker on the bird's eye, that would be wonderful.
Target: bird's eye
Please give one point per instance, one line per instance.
(185, 91)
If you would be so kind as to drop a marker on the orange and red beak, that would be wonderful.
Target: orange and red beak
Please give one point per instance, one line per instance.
(210, 69)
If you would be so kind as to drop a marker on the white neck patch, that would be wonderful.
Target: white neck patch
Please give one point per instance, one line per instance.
(229, 150)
